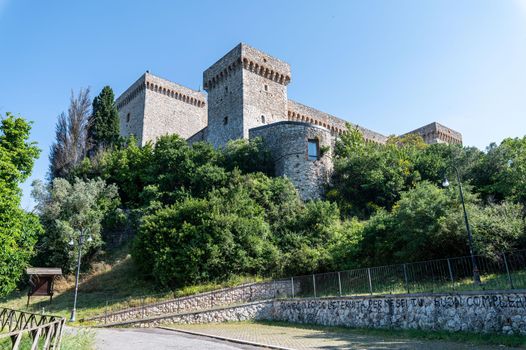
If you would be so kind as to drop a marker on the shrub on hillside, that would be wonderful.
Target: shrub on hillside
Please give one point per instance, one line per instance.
(66, 209)
(200, 240)
(427, 223)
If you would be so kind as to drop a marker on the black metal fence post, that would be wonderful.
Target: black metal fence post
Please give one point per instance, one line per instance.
(314, 284)
(406, 280)
(340, 283)
(507, 270)
(370, 282)
(450, 273)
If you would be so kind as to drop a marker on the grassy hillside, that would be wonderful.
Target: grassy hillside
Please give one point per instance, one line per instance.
(111, 284)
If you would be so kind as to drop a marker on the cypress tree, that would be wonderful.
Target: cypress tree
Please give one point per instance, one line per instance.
(103, 129)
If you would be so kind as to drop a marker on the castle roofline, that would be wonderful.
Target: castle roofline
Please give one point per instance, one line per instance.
(249, 58)
(163, 86)
(436, 126)
(335, 124)
(182, 88)
(125, 93)
(144, 77)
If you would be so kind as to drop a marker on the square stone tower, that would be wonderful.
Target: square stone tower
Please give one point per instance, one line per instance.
(154, 106)
(246, 88)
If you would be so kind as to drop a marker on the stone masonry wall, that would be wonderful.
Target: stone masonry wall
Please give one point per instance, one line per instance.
(130, 105)
(287, 142)
(246, 88)
(302, 113)
(172, 109)
(483, 312)
(251, 311)
(498, 312)
(438, 133)
(202, 301)
(225, 108)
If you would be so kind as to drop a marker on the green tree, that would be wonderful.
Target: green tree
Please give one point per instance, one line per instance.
(369, 176)
(502, 172)
(427, 223)
(248, 156)
(18, 229)
(103, 129)
(66, 209)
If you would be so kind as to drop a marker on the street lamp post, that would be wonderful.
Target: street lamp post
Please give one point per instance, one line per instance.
(476, 273)
(80, 243)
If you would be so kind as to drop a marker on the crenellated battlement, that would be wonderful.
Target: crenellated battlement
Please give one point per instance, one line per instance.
(175, 91)
(251, 59)
(302, 113)
(438, 133)
(131, 93)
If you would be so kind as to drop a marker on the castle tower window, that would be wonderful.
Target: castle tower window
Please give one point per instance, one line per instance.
(225, 121)
(226, 88)
(313, 149)
(266, 87)
(128, 118)
(263, 119)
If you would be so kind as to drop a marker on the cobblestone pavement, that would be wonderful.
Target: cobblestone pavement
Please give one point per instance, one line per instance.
(303, 339)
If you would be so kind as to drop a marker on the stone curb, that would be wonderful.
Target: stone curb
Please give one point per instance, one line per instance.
(233, 340)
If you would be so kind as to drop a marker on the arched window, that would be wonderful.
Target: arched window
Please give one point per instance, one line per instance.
(263, 119)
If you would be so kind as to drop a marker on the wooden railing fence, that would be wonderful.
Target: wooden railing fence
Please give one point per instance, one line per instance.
(44, 331)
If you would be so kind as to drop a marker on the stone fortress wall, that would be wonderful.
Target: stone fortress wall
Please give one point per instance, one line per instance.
(131, 104)
(247, 90)
(170, 106)
(287, 142)
(154, 106)
(438, 133)
(300, 112)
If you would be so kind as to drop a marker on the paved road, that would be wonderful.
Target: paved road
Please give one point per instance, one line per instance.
(152, 338)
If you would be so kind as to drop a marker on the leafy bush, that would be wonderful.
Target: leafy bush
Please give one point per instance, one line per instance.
(427, 223)
(210, 239)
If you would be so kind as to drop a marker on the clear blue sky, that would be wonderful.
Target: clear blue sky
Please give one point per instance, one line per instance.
(387, 65)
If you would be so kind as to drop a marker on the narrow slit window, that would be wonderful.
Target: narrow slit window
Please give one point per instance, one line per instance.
(225, 121)
(313, 149)
(266, 87)
(263, 119)
(128, 118)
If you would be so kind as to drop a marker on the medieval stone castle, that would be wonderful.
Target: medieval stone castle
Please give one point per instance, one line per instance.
(247, 98)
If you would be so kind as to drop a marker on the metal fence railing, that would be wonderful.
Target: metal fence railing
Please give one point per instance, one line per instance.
(499, 271)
